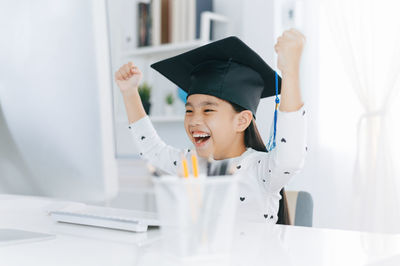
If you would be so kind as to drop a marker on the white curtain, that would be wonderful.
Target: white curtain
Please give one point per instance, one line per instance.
(367, 36)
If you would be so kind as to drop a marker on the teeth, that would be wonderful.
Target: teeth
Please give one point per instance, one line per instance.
(200, 135)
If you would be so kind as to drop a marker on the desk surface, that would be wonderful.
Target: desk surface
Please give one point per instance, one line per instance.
(253, 244)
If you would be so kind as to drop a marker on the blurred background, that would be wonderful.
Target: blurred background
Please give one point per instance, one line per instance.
(63, 127)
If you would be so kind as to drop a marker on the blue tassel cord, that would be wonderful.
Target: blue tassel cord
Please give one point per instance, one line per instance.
(272, 136)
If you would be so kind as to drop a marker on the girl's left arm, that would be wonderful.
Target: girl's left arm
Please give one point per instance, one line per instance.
(287, 159)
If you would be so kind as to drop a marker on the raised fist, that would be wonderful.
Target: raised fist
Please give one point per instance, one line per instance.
(289, 48)
(128, 78)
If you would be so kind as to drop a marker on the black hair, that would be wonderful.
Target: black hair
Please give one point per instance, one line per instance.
(252, 139)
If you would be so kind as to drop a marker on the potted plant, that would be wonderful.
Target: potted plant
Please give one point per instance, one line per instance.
(169, 100)
(145, 93)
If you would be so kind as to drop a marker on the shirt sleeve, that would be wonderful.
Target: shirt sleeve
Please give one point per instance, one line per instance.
(153, 149)
(287, 159)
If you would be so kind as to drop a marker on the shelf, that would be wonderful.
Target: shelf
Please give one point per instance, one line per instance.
(205, 25)
(163, 48)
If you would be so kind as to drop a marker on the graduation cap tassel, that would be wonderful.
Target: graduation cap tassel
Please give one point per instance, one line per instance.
(272, 136)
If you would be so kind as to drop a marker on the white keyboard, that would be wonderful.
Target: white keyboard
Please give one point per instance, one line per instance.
(123, 219)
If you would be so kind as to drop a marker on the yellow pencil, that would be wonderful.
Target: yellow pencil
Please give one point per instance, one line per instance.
(195, 166)
(185, 168)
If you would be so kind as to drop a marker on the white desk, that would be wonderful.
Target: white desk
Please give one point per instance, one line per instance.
(254, 244)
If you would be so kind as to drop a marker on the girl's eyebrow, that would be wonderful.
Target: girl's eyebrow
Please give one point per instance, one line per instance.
(205, 103)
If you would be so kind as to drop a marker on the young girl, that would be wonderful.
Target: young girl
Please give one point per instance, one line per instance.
(225, 81)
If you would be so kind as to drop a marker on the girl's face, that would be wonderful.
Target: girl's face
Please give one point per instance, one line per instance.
(214, 127)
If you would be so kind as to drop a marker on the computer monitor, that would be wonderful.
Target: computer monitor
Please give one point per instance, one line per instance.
(56, 125)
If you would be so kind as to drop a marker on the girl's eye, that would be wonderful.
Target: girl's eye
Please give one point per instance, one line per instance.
(208, 110)
(188, 111)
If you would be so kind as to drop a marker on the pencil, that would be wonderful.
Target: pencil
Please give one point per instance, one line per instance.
(195, 166)
(185, 168)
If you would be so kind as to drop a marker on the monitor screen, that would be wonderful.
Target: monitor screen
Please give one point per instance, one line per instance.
(56, 127)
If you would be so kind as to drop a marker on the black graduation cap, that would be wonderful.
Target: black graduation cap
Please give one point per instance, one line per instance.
(227, 69)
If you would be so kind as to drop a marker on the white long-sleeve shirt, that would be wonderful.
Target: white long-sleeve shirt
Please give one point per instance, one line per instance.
(261, 175)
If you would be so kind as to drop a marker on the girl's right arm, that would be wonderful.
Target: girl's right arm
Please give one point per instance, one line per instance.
(128, 78)
(150, 145)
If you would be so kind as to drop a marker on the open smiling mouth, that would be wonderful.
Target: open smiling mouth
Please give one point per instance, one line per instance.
(200, 139)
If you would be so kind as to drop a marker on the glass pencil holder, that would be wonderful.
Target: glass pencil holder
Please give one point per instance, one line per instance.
(197, 215)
